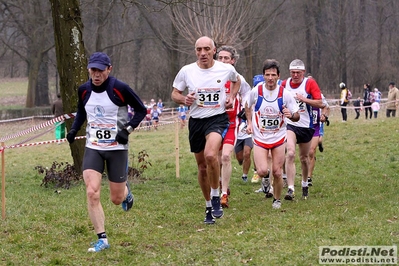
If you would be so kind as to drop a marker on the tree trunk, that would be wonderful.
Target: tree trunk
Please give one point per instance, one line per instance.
(33, 70)
(308, 38)
(342, 41)
(71, 62)
(42, 89)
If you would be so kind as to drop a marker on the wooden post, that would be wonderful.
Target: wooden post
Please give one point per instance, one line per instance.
(3, 184)
(177, 149)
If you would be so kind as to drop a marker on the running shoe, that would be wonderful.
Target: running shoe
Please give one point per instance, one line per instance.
(244, 178)
(321, 149)
(270, 194)
(310, 182)
(224, 201)
(305, 192)
(128, 202)
(217, 210)
(290, 194)
(98, 246)
(259, 190)
(266, 187)
(208, 216)
(255, 178)
(276, 204)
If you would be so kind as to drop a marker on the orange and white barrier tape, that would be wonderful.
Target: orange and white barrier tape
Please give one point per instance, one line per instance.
(37, 127)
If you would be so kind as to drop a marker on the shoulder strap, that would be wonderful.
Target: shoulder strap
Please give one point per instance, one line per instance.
(260, 98)
(280, 98)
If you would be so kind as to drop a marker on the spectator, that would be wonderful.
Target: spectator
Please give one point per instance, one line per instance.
(160, 106)
(357, 103)
(367, 98)
(182, 113)
(152, 103)
(343, 101)
(393, 100)
(377, 95)
(155, 113)
(375, 106)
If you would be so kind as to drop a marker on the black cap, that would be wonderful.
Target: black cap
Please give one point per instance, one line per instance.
(392, 83)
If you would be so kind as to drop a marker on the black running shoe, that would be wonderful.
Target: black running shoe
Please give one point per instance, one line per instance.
(217, 210)
(310, 182)
(128, 202)
(290, 195)
(321, 149)
(305, 192)
(208, 216)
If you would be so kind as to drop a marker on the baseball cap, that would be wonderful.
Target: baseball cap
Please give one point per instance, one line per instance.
(99, 60)
(297, 64)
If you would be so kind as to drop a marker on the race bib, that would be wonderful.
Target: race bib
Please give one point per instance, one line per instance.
(208, 97)
(102, 134)
(315, 113)
(302, 106)
(269, 123)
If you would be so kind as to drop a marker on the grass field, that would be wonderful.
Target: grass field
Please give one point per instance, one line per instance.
(353, 202)
(13, 92)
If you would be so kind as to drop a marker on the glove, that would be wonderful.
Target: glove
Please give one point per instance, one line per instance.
(122, 137)
(327, 122)
(71, 135)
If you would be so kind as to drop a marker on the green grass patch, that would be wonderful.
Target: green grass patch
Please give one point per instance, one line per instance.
(13, 87)
(353, 202)
(13, 93)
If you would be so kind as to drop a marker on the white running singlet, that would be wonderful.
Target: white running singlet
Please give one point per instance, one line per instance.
(102, 127)
(268, 123)
(208, 85)
(305, 111)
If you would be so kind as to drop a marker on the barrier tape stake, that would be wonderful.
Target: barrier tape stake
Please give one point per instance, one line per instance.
(3, 184)
(177, 149)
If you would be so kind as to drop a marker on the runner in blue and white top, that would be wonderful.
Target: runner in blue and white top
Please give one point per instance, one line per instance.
(268, 109)
(103, 102)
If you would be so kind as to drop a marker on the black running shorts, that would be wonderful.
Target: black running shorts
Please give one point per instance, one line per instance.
(199, 128)
(116, 161)
(303, 135)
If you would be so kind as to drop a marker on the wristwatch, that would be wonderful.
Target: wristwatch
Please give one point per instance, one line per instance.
(129, 129)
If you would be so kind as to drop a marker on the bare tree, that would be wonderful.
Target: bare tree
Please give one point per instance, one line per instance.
(148, 40)
(32, 27)
(71, 61)
(231, 22)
